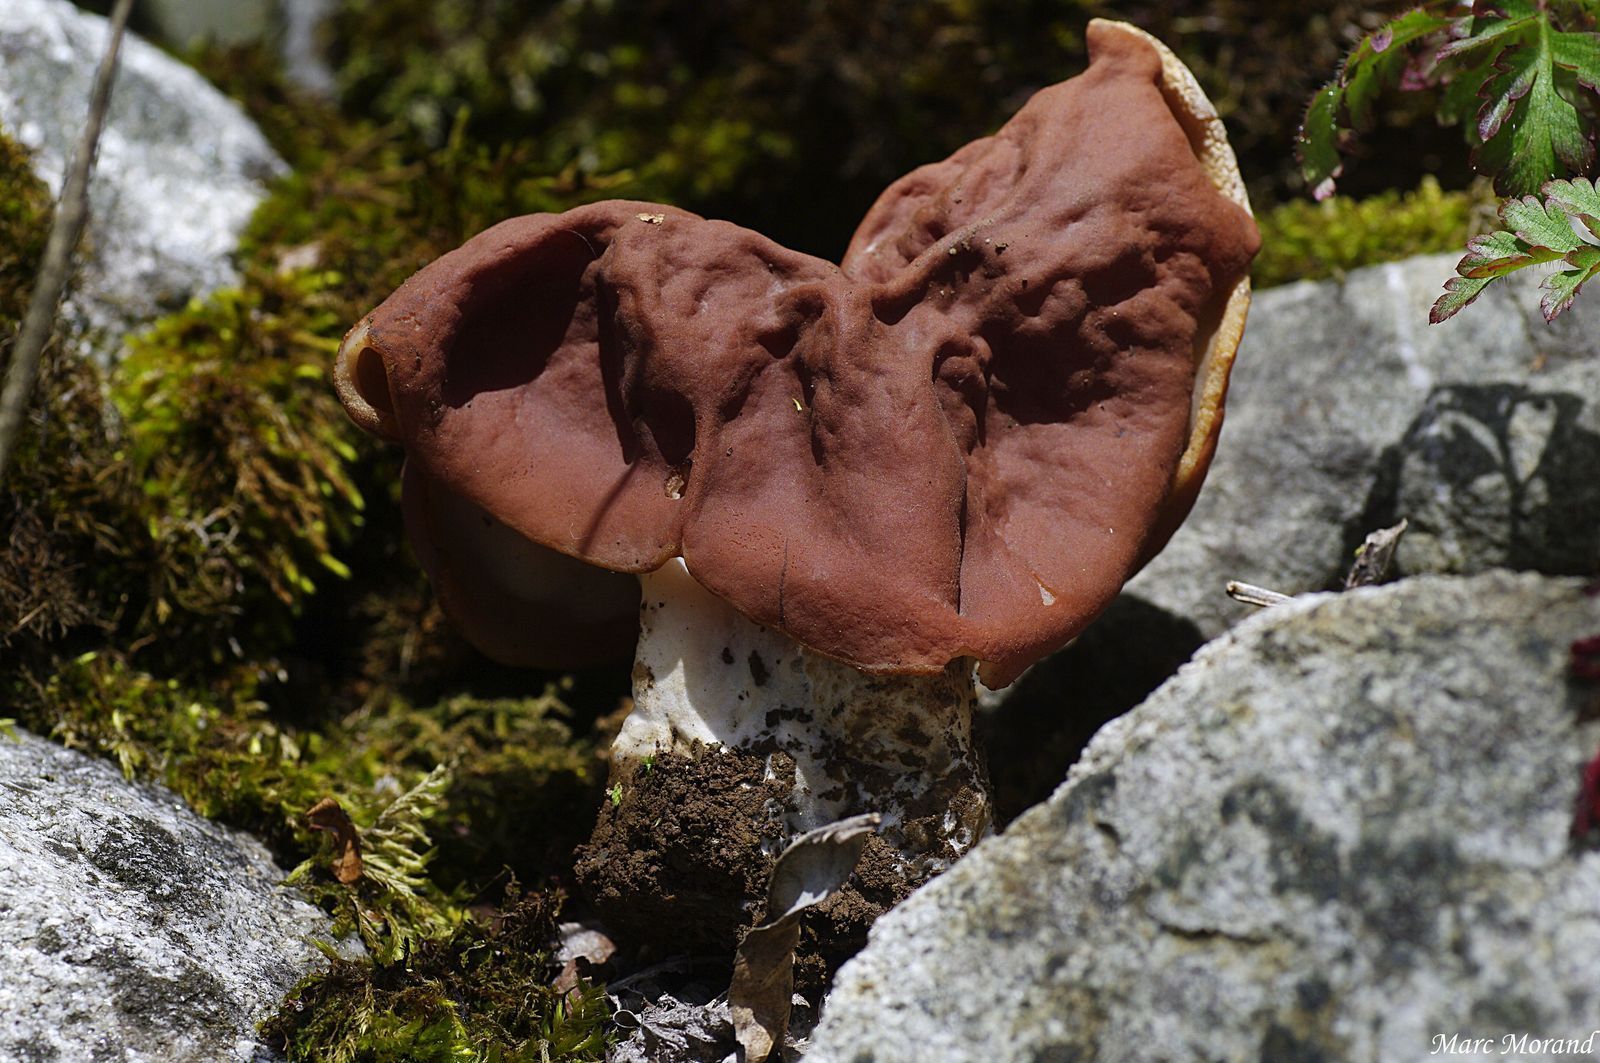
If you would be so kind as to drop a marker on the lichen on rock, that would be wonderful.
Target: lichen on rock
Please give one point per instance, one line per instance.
(131, 924)
(1342, 829)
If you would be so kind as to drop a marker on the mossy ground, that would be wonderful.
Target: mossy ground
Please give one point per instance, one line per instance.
(204, 576)
(205, 580)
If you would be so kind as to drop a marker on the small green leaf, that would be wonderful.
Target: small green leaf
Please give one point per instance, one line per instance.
(1547, 231)
(1494, 255)
(1458, 293)
(1319, 142)
(1376, 63)
(1586, 257)
(1486, 31)
(1539, 224)
(1579, 199)
(1580, 53)
(1561, 288)
(1530, 131)
(1458, 97)
(1380, 57)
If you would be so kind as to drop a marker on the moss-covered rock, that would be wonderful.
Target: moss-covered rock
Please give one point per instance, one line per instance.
(207, 581)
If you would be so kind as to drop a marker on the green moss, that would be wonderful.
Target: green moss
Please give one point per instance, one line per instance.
(182, 506)
(25, 208)
(244, 453)
(60, 517)
(480, 774)
(791, 121)
(1310, 241)
(482, 993)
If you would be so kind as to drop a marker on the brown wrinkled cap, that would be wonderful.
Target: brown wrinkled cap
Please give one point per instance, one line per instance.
(959, 442)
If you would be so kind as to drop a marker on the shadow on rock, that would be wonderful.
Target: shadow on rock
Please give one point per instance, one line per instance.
(1046, 719)
(1491, 475)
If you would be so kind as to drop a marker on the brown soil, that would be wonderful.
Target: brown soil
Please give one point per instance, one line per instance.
(679, 864)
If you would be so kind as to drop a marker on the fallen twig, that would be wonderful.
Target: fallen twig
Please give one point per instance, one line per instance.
(1373, 560)
(1250, 594)
(72, 213)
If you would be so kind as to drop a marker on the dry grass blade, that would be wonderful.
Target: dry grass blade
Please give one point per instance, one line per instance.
(71, 216)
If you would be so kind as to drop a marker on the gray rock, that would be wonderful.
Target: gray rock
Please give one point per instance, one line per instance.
(1349, 411)
(180, 166)
(290, 25)
(130, 928)
(1341, 831)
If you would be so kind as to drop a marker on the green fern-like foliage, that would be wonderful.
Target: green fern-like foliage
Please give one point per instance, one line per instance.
(1520, 77)
(393, 904)
(1523, 78)
(1561, 225)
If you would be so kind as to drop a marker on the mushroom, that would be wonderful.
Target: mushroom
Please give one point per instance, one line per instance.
(839, 486)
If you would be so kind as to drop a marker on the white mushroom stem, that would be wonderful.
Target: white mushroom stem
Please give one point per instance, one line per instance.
(901, 746)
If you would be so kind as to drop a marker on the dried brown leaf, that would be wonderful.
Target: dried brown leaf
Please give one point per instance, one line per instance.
(328, 815)
(811, 870)
(1375, 556)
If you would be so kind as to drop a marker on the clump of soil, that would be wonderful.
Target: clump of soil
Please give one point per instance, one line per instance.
(836, 929)
(682, 853)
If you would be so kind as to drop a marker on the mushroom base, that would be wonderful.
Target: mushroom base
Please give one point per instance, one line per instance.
(739, 740)
(679, 865)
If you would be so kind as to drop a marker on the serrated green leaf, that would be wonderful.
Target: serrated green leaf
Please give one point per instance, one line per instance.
(1458, 292)
(1541, 231)
(1459, 99)
(1539, 224)
(1530, 131)
(1496, 254)
(1377, 61)
(1586, 257)
(1580, 200)
(1486, 32)
(1580, 53)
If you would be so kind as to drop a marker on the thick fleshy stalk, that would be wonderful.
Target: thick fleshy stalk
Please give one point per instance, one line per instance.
(901, 746)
